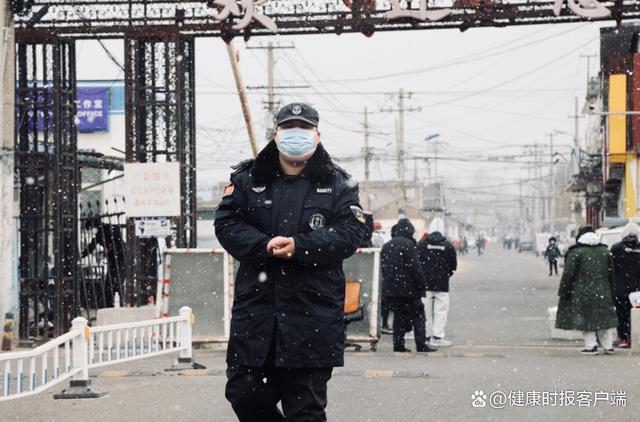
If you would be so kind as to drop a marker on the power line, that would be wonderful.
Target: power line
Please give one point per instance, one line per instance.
(459, 61)
(522, 75)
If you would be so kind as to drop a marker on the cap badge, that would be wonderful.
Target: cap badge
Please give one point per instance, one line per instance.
(296, 109)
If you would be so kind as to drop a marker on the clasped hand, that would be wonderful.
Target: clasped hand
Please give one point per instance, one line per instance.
(281, 247)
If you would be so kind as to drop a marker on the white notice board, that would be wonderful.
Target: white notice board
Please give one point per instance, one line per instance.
(153, 228)
(152, 189)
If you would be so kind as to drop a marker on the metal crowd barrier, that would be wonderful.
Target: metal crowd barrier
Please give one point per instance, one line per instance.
(82, 348)
(364, 267)
(204, 278)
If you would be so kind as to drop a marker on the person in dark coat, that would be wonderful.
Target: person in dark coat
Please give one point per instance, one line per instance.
(290, 217)
(403, 286)
(585, 294)
(109, 238)
(438, 260)
(480, 245)
(552, 253)
(626, 261)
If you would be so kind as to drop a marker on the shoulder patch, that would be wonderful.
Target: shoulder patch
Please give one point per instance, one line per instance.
(358, 213)
(228, 190)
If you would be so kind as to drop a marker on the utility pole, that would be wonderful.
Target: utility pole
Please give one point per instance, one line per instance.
(271, 104)
(520, 205)
(536, 196)
(436, 143)
(588, 57)
(576, 126)
(367, 161)
(400, 152)
(552, 193)
(400, 140)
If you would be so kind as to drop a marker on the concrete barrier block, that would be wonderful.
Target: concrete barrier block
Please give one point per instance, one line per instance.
(635, 330)
(108, 316)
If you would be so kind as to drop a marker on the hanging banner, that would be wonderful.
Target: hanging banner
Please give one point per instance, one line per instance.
(92, 109)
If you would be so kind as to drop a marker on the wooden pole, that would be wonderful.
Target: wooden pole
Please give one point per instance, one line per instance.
(242, 94)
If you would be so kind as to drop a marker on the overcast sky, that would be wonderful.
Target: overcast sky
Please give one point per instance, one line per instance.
(485, 92)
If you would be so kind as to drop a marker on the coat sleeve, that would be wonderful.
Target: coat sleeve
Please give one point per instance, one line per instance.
(412, 262)
(339, 239)
(453, 260)
(612, 276)
(570, 267)
(236, 235)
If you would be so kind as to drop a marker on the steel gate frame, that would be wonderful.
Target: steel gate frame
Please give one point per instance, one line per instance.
(46, 164)
(160, 124)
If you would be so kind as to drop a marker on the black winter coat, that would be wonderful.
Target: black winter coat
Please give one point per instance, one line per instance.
(626, 262)
(552, 253)
(401, 272)
(298, 302)
(438, 260)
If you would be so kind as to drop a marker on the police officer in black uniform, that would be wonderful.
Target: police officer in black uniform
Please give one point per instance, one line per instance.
(290, 217)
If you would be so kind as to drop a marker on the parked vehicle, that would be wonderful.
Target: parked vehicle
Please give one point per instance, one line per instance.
(525, 246)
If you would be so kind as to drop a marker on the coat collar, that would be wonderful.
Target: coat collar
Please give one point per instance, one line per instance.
(266, 167)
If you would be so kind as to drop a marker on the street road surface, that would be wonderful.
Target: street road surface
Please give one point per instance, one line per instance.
(502, 356)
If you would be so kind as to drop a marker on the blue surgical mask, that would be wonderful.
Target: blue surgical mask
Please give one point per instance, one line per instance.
(296, 142)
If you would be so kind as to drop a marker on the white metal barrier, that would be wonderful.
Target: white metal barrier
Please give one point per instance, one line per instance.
(84, 348)
(203, 278)
(189, 276)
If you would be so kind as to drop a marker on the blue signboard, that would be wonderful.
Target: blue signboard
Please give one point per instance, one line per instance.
(92, 109)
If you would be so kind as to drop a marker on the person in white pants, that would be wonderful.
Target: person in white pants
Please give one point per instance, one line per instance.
(605, 336)
(438, 260)
(437, 310)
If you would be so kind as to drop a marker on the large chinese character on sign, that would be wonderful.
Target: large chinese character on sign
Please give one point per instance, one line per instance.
(231, 7)
(584, 8)
(422, 13)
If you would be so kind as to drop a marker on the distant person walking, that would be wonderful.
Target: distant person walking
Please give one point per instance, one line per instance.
(480, 245)
(626, 262)
(438, 260)
(403, 286)
(552, 253)
(586, 292)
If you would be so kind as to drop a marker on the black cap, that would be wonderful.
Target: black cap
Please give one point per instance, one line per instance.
(298, 111)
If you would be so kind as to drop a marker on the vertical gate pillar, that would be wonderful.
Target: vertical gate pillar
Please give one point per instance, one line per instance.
(160, 113)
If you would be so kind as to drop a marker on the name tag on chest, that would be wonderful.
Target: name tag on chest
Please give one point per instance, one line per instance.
(324, 190)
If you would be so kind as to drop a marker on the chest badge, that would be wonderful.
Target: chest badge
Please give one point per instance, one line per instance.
(259, 189)
(316, 221)
(324, 190)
